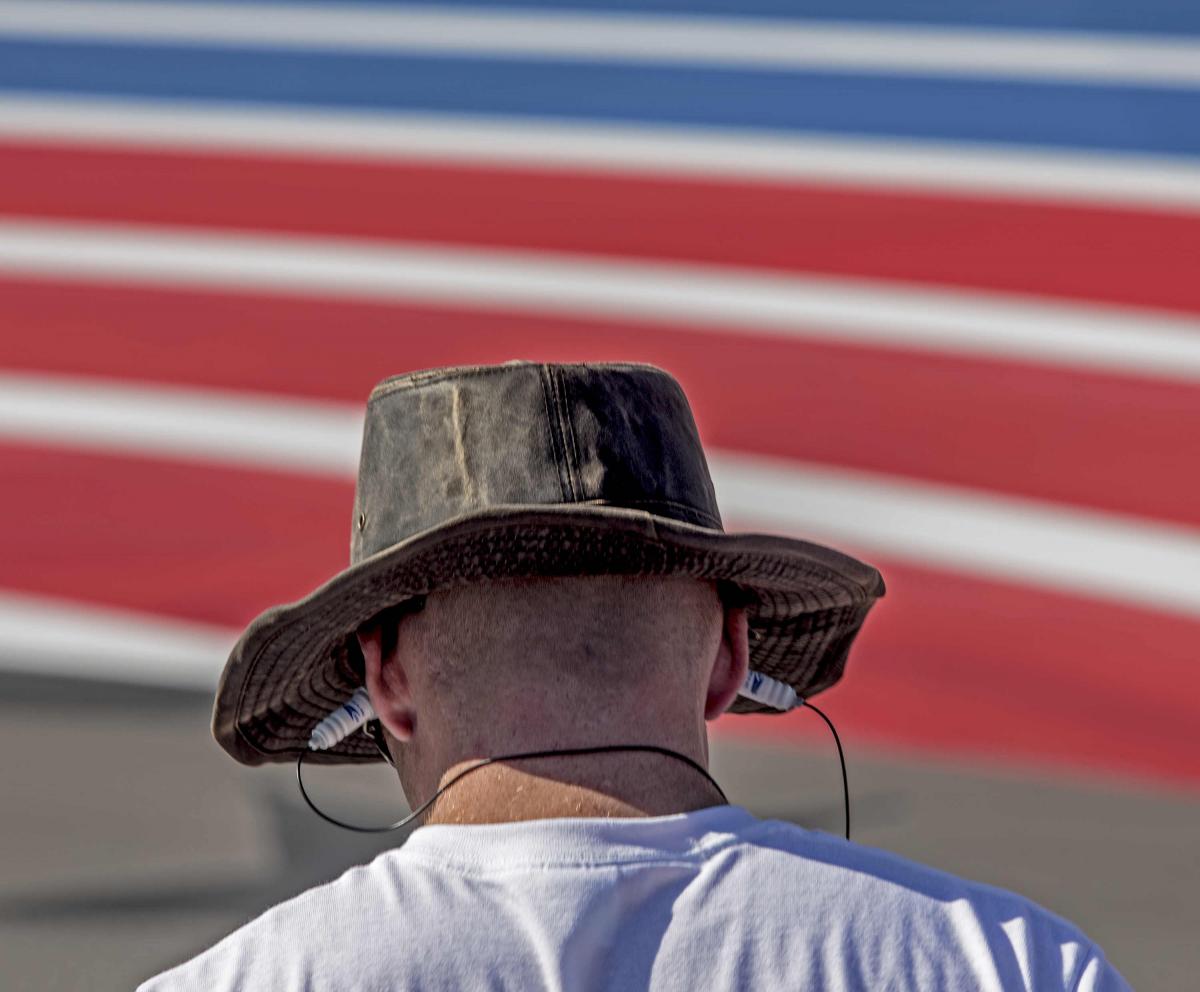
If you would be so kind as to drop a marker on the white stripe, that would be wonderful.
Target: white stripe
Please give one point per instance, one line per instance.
(1130, 179)
(55, 637)
(722, 42)
(674, 296)
(310, 436)
(1072, 549)
(1077, 550)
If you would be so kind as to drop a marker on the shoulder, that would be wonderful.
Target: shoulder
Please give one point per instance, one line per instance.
(865, 869)
(898, 905)
(294, 942)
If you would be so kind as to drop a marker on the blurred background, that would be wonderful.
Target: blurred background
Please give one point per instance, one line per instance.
(929, 272)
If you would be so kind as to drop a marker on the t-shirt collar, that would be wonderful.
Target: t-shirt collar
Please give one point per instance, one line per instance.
(579, 840)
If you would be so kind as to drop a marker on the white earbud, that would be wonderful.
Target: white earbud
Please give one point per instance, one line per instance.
(342, 722)
(770, 692)
(357, 710)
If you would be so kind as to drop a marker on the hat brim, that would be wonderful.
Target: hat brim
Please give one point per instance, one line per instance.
(293, 666)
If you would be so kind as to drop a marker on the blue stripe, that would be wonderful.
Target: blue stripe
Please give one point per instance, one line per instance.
(1134, 16)
(1101, 117)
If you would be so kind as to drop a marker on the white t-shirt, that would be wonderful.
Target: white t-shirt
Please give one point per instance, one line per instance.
(714, 899)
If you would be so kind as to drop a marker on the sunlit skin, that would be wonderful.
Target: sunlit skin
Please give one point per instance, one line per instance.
(526, 667)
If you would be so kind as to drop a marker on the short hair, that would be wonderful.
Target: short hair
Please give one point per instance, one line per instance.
(584, 631)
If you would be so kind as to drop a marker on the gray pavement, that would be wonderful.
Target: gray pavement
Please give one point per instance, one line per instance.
(131, 842)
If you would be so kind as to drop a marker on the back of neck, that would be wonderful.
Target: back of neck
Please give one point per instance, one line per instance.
(622, 784)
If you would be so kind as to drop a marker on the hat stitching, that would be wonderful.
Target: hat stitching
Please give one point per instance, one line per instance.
(556, 446)
(564, 415)
(428, 377)
(555, 406)
(420, 377)
(702, 516)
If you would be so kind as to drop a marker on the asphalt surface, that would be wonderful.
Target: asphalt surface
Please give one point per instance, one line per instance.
(131, 842)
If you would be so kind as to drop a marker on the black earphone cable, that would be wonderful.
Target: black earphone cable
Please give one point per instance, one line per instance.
(483, 763)
(375, 732)
(841, 759)
(554, 753)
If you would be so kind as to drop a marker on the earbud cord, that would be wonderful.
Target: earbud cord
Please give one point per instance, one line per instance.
(841, 759)
(554, 753)
(603, 749)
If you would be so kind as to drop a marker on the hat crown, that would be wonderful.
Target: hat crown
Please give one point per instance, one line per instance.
(443, 443)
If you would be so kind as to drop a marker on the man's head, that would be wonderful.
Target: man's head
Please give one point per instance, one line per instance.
(536, 468)
(543, 663)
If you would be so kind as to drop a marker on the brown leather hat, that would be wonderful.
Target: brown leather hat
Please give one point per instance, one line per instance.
(481, 473)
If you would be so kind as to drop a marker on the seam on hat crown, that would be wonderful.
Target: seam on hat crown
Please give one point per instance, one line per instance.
(421, 377)
(426, 377)
(570, 450)
(554, 420)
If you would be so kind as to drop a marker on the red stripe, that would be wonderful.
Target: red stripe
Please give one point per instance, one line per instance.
(204, 542)
(1129, 256)
(1093, 440)
(949, 663)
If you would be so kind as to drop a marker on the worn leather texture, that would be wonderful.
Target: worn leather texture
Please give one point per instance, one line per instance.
(440, 445)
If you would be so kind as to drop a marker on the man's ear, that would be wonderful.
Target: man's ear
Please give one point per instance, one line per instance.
(730, 666)
(387, 684)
